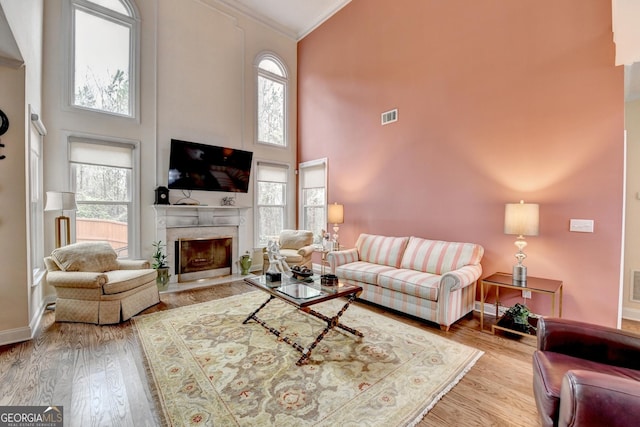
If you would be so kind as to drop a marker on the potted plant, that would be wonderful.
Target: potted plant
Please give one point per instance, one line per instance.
(160, 264)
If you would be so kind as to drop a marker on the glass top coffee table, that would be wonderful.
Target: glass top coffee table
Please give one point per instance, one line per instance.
(302, 295)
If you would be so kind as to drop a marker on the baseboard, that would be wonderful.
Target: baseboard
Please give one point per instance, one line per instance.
(490, 309)
(631, 314)
(11, 336)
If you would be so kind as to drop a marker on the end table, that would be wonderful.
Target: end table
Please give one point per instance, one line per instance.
(534, 284)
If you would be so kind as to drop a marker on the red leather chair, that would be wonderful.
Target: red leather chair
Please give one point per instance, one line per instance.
(586, 375)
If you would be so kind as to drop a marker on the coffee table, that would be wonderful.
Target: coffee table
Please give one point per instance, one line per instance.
(303, 295)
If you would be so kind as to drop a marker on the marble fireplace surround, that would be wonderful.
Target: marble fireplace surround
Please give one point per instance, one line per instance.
(189, 221)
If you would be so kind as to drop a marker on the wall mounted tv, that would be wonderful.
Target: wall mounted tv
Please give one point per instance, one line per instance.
(194, 166)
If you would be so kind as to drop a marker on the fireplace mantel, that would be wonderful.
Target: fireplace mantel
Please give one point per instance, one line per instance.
(179, 219)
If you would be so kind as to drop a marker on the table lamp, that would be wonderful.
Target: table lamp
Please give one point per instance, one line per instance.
(335, 216)
(61, 201)
(521, 219)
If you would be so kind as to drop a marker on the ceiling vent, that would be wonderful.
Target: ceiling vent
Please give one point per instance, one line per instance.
(389, 117)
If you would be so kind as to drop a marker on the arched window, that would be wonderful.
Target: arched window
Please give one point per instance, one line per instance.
(104, 52)
(272, 81)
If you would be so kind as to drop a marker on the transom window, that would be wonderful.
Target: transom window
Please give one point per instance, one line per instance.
(271, 100)
(103, 55)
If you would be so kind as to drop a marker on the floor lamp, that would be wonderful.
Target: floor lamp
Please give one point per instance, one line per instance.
(61, 201)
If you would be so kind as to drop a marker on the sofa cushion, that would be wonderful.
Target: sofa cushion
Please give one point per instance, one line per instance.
(411, 282)
(381, 249)
(86, 256)
(439, 257)
(124, 280)
(361, 271)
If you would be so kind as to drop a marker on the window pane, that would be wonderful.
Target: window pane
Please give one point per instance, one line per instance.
(271, 66)
(270, 111)
(270, 224)
(101, 73)
(102, 183)
(271, 193)
(115, 5)
(106, 222)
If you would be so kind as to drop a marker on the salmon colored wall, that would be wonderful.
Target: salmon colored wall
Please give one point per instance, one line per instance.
(498, 101)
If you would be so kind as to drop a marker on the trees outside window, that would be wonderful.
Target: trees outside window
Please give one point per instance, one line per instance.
(313, 197)
(102, 177)
(103, 55)
(271, 100)
(271, 201)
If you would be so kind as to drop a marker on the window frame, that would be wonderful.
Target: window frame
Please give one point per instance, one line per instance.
(133, 224)
(285, 207)
(301, 204)
(133, 22)
(35, 229)
(284, 80)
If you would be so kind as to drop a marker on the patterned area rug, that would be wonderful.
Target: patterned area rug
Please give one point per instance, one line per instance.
(210, 369)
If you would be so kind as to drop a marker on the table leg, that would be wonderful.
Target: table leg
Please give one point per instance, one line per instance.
(253, 315)
(482, 298)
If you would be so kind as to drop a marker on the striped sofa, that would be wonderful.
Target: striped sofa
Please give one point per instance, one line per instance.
(430, 279)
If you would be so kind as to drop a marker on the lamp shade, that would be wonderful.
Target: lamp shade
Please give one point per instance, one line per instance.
(335, 215)
(60, 201)
(521, 219)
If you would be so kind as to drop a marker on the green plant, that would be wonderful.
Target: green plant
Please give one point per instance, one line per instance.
(159, 255)
(520, 314)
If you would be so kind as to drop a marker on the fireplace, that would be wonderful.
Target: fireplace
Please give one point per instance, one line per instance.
(199, 258)
(225, 224)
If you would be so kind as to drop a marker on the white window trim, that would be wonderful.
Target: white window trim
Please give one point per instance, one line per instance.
(134, 222)
(301, 166)
(256, 220)
(285, 81)
(133, 22)
(35, 241)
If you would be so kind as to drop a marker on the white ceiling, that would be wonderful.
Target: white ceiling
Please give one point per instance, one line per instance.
(294, 18)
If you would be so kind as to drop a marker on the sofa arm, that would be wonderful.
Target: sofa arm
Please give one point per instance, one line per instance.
(338, 258)
(589, 398)
(305, 251)
(76, 279)
(133, 264)
(588, 341)
(460, 278)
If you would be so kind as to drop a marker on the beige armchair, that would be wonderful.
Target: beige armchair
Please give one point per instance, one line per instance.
(94, 286)
(296, 246)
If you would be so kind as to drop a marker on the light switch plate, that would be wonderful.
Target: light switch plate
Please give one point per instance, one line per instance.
(581, 225)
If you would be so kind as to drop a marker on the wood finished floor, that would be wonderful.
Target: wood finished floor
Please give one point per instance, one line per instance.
(96, 372)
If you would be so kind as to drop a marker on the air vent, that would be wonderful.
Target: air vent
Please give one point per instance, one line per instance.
(635, 285)
(389, 117)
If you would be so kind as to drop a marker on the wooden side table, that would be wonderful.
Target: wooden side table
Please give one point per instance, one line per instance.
(534, 284)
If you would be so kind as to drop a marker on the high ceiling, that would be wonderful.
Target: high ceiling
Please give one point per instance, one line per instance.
(294, 18)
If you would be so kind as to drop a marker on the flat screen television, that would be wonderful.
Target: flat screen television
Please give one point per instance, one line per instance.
(195, 166)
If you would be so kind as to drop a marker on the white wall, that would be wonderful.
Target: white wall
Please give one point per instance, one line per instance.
(197, 82)
(631, 309)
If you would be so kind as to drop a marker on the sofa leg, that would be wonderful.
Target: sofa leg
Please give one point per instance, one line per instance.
(444, 328)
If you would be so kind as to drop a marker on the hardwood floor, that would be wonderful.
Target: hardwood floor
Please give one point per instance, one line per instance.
(96, 372)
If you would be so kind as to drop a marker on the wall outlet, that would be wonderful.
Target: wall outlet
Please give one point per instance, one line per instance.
(526, 294)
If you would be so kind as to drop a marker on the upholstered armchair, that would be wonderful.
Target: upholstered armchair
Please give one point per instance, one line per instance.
(586, 375)
(296, 246)
(94, 286)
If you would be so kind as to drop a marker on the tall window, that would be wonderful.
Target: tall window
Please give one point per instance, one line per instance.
(102, 174)
(104, 40)
(313, 197)
(271, 201)
(36, 206)
(271, 98)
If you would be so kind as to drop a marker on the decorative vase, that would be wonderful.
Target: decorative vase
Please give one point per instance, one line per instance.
(162, 280)
(245, 263)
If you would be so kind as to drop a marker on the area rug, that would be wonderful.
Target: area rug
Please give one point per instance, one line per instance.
(211, 369)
